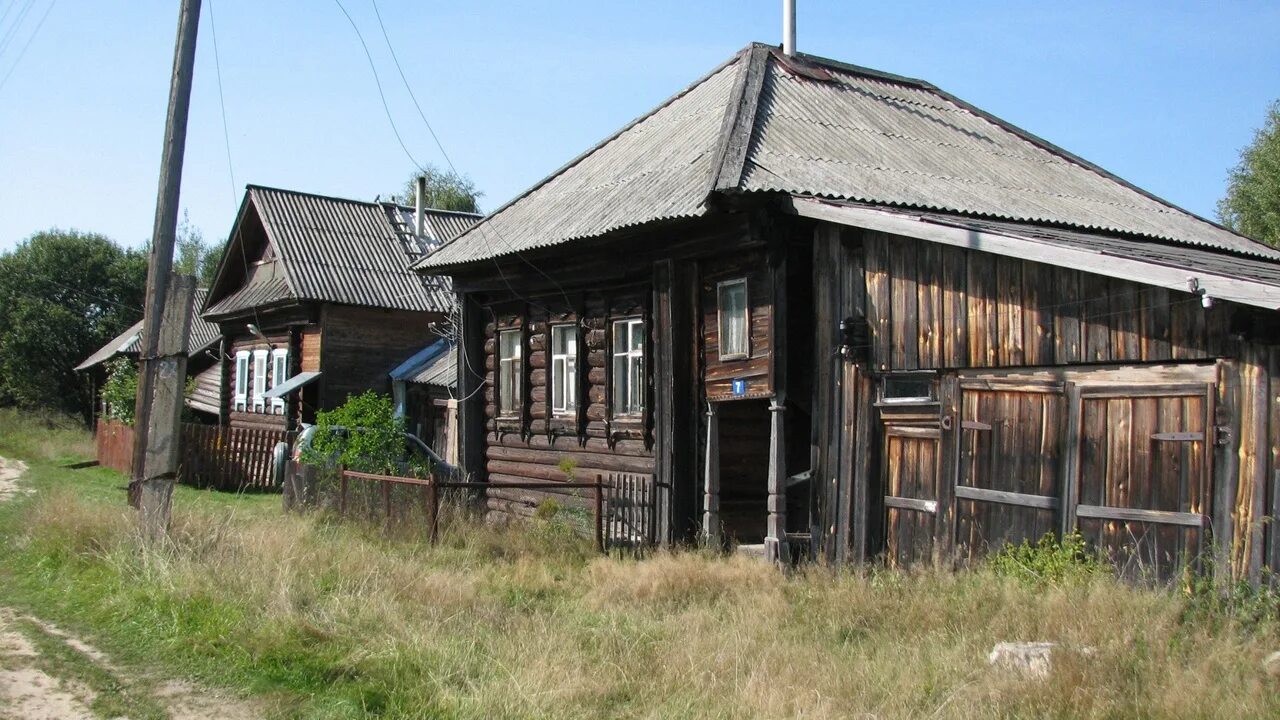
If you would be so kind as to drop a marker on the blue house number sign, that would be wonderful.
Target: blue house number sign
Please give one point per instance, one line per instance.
(739, 387)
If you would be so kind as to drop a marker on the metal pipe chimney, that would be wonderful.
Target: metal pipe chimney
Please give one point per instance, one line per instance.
(788, 27)
(420, 203)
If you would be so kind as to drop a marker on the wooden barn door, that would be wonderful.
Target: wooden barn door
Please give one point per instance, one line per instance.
(1008, 485)
(911, 458)
(1141, 475)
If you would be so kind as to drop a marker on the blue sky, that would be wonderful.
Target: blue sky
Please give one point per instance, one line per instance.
(1162, 93)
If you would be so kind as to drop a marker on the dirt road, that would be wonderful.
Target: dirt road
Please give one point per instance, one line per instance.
(47, 673)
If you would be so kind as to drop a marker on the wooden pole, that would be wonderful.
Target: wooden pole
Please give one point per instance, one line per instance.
(599, 508)
(711, 480)
(342, 492)
(435, 509)
(163, 372)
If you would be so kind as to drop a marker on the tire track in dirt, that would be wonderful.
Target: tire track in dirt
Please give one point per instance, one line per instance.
(32, 688)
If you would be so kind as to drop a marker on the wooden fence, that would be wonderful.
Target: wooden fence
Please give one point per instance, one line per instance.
(114, 442)
(215, 457)
(623, 512)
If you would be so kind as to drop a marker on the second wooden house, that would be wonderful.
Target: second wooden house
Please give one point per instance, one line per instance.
(315, 301)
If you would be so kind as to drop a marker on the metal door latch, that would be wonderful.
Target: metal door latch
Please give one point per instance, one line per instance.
(1222, 435)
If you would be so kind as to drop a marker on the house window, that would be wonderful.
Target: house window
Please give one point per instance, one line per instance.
(564, 369)
(509, 370)
(907, 388)
(259, 380)
(279, 373)
(242, 380)
(735, 319)
(628, 367)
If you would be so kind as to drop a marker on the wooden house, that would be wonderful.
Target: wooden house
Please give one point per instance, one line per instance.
(844, 314)
(316, 301)
(204, 372)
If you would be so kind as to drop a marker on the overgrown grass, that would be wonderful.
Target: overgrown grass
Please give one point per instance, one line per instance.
(341, 621)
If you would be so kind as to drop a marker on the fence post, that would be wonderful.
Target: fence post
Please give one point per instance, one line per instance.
(434, 492)
(600, 513)
(386, 504)
(342, 491)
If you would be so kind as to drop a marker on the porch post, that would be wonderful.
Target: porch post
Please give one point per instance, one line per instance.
(711, 483)
(775, 542)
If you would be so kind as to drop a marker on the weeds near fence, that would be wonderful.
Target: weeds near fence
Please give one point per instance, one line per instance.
(1049, 561)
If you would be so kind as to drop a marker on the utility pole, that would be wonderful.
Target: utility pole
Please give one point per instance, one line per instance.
(167, 313)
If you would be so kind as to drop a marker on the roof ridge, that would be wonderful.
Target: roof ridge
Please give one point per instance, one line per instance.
(1028, 136)
(738, 126)
(304, 193)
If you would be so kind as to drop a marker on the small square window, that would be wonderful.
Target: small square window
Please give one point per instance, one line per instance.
(734, 317)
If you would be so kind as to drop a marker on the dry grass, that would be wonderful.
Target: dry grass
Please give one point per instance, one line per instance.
(341, 621)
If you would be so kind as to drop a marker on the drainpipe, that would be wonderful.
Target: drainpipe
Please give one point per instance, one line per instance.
(789, 27)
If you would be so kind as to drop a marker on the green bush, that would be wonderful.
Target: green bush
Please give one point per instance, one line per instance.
(1049, 561)
(374, 437)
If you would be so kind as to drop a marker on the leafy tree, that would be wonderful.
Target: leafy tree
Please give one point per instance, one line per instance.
(120, 391)
(63, 294)
(1252, 204)
(446, 190)
(192, 256)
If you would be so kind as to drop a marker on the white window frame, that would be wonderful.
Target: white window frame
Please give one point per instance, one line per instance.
(510, 367)
(721, 317)
(279, 373)
(259, 380)
(628, 359)
(241, 398)
(564, 371)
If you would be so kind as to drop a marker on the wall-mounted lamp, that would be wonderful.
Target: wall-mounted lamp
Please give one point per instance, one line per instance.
(255, 331)
(1193, 286)
(853, 336)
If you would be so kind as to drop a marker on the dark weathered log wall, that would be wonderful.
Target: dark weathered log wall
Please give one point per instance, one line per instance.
(361, 345)
(754, 370)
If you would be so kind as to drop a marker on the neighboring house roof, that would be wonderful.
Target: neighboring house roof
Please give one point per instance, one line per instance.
(807, 126)
(203, 335)
(436, 364)
(332, 250)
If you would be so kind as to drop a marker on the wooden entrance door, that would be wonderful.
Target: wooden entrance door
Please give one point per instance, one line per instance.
(911, 500)
(1141, 477)
(1008, 485)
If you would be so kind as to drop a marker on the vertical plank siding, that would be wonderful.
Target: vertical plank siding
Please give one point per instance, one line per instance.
(220, 458)
(930, 308)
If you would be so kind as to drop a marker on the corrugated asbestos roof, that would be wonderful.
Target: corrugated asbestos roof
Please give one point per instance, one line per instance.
(816, 127)
(341, 251)
(206, 391)
(655, 168)
(436, 364)
(203, 335)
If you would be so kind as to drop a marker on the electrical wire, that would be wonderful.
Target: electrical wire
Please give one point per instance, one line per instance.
(386, 108)
(222, 104)
(22, 53)
(12, 32)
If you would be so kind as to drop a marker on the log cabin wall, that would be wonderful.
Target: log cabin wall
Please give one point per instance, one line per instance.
(537, 444)
(266, 418)
(359, 346)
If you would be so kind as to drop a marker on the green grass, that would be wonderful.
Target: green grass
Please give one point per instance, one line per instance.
(320, 620)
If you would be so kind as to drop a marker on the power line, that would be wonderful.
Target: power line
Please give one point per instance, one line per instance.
(30, 38)
(12, 32)
(405, 80)
(386, 108)
(222, 104)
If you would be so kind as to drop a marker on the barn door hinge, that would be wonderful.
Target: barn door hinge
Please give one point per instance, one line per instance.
(1222, 435)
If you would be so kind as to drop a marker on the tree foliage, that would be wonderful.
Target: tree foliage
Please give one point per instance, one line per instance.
(371, 439)
(63, 294)
(120, 391)
(446, 190)
(193, 256)
(1252, 204)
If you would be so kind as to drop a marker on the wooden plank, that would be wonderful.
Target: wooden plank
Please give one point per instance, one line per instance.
(930, 303)
(1095, 292)
(916, 504)
(1009, 301)
(983, 325)
(1226, 464)
(924, 433)
(1124, 321)
(1156, 332)
(1043, 502)
(905, 305)
(1037, 324)
(1273, 459)
(948, 470)
(860, 515)
(954, 321)
(879, 299)
(1104, 512)
(1068, 344)
(977, 425)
